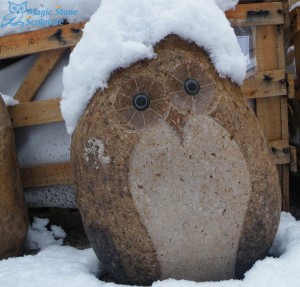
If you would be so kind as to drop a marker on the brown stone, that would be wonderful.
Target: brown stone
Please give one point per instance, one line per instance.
(185, 189)
(13, 212)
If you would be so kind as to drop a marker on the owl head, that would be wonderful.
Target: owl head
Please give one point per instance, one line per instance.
(17, 8)
(174, 87)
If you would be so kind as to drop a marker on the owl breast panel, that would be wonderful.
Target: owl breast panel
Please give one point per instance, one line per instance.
(185, 191)
(174, 175)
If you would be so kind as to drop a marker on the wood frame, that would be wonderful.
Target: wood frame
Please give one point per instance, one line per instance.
(271, 95)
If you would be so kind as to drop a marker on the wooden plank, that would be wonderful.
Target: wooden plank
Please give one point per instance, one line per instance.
(47, 175)
(297, 89)
(291, 86)
(267, 50)
(281, 151)
(271, 112)
(293, 163)
(296, 39)
(268, 113)
(268, 110)
(265, 84)
(35, 113)
(284, 118)
(42, 67)
(40, 40)
(295, 21)
(256, 14)
(280, 47)
(283, 171)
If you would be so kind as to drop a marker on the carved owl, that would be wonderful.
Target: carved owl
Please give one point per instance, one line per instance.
(173, 173)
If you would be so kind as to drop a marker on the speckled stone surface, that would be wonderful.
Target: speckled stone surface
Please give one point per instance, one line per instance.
(184, 189)
(13, 212)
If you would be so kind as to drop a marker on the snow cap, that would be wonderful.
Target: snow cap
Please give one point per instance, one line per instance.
(122, 32)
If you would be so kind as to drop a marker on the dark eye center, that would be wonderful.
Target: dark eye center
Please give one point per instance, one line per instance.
(141, 102)
(191, 87)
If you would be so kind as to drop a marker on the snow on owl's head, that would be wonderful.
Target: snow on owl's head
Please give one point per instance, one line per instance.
(17, 8)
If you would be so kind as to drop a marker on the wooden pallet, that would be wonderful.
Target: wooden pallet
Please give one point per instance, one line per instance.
(295, 35)
(268, 86)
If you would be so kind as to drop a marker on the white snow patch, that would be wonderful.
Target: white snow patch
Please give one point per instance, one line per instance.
(9, 101)
(62, 266)
(54, 266)
(123, 32)
(96, 148)
(39, 236)
(295, 5)
(226, 4)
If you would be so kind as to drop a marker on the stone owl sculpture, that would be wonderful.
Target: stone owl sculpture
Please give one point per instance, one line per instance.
(174, 175)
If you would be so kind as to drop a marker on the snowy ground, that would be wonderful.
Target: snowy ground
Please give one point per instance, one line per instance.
(63, 266)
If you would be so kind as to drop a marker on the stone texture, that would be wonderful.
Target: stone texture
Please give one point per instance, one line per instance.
(186, 189)
(13, 212)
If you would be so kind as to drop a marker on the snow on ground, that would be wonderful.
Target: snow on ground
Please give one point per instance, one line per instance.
(63, 266)
(123, 32)
(39, 236)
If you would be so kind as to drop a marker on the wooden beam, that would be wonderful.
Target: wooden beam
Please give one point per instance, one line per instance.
(35, 113)
(40, 40)
(291, 86)
(42, 67)
(293, 164)
(255, 14)
(47, 175)
(295, 21)
(265, 84)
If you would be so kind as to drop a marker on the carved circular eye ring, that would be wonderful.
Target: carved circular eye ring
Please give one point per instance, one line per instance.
(191, 89)
(140, 103)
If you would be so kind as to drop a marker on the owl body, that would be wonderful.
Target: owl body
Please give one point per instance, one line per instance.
(16, 14)
(174, 176)
(13, 212)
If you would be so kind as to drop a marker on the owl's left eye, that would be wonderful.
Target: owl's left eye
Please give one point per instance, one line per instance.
(14, 8)
(191, 89)
(22, 9)
(140, 103)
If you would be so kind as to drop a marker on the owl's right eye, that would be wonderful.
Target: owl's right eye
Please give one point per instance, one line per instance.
(14, 8)
(141, 103)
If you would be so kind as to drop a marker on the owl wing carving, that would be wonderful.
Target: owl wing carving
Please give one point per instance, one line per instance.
(12, 19)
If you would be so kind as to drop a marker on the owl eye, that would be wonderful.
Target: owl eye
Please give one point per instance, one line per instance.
(14, 8)
(22, 9)
(141, 103)
(191, 89)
